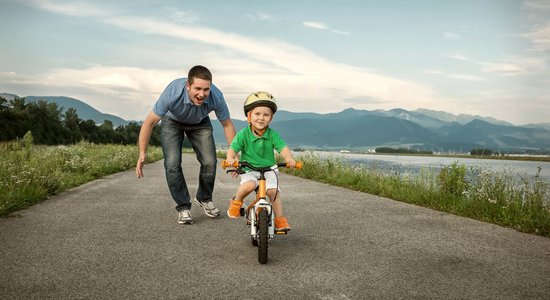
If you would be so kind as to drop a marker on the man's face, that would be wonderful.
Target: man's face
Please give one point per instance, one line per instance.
(199, 90)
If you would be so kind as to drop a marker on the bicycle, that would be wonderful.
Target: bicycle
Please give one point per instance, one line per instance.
(259, 214)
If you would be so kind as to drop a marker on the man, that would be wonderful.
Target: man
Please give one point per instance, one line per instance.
(183, 108)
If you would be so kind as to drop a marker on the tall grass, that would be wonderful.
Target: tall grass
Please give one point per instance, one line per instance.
(31, 173)
(496, 197)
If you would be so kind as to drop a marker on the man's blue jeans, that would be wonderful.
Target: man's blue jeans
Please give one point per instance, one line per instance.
(200, 136)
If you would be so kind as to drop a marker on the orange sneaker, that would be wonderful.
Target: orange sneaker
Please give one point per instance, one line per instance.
(281, 224)
(234, 210)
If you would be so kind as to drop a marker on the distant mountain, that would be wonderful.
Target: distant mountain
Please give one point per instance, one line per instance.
(498, 136)
(462, 118)
(540, 125)
(8, 96)
(362, 129)
(84, 111)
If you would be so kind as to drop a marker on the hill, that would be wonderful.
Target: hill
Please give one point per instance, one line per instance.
(398, 128)
(354, 129)
(85, 111)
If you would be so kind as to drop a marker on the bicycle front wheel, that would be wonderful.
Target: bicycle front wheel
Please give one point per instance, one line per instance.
(263, 227)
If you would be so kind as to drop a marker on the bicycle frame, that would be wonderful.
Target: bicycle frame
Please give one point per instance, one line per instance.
(261, 203)
(260, 213)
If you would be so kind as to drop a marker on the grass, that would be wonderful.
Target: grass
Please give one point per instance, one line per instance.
(31, 173)
(495, 197)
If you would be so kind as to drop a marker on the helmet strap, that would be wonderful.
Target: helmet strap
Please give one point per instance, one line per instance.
(256, 131)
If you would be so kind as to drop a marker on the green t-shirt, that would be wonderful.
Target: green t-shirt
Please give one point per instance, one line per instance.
(258, 151)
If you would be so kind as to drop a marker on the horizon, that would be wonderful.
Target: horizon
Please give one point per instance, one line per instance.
(468, 57)
(213, 116)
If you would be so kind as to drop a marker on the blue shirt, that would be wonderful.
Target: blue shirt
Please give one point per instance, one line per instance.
(174, 103)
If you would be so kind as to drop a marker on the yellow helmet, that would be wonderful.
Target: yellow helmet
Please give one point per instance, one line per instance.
(259, 99)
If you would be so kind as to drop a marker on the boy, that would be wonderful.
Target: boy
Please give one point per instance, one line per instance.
(256, 144)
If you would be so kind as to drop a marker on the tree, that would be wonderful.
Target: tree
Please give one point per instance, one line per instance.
(46, 124)
(89, 130)
(481, 152)
(4, 104)
(72, 123)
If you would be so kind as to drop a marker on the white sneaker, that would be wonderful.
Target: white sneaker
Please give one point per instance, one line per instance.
(209, 208)
(184, 217)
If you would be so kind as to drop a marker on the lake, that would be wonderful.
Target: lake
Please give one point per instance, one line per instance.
(413, 164)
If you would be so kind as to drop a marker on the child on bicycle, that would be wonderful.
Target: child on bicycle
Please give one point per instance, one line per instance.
(257, 143)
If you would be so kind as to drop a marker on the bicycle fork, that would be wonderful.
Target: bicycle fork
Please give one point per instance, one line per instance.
(262, 203)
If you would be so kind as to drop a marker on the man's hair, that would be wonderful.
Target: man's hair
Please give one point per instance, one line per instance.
(199, 72)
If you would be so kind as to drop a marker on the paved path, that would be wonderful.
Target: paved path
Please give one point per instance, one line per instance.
(117, 238)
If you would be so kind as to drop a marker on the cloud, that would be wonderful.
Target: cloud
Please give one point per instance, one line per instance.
(451, 36)
(513, 66)
(458, 76)
(316, 25)
(323, 26)
(505, 69)
(299, 77)
(182, 16)
(540, 37)
(465, 77)
(75, 8)
(537, 4)
(457, 57)
(259, 16)
(108, 89)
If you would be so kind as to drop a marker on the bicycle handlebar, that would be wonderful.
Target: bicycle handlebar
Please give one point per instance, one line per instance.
(238, 164)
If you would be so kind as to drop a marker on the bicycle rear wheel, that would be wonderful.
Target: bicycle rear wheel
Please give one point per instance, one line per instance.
(263, 224)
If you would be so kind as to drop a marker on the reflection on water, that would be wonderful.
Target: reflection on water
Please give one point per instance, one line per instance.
(413, 164)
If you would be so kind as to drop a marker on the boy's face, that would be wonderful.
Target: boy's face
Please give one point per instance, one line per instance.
(260, 117)
(198, 91)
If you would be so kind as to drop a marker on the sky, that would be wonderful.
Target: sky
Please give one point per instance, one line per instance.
(480, 57)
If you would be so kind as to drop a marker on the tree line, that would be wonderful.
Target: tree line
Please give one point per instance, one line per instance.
(49, 125)
(401, 150)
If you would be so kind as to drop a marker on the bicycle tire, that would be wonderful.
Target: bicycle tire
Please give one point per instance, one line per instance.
(263, 226)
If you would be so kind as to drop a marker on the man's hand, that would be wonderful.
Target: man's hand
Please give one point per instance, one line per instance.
(139, 165)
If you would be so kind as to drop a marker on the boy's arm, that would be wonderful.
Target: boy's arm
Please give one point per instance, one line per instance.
(287, 155)
(231, 156)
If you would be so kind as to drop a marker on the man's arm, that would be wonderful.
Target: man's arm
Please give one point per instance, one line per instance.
(228, 130)
(144, 135)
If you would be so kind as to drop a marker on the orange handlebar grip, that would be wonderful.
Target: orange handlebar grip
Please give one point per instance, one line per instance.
(225, 164)
(298, 165)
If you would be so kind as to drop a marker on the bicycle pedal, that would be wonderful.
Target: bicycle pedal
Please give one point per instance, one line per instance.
(285, 231)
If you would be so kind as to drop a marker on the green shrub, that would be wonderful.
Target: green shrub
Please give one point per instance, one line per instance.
(29, 174)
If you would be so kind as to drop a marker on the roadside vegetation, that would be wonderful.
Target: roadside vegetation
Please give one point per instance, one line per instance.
(495, 197)
(31, 173)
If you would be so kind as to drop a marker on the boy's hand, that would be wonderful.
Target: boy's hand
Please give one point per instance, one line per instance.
(290, 162)
(231, 161)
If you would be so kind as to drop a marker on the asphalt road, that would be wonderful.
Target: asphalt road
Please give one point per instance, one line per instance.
(117, 238)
